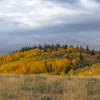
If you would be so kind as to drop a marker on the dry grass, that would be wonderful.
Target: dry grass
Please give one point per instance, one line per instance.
(41, 87)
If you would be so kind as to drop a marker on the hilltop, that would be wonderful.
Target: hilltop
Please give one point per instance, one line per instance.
(52, 59)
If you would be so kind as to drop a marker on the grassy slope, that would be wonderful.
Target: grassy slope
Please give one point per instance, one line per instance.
(41, 87)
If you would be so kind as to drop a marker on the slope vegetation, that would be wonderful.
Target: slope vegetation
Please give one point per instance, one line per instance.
(52, 59)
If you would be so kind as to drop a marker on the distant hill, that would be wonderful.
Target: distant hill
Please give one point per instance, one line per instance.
(5, 49)
(52, 59)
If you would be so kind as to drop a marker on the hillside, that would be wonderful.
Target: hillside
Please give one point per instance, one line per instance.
(52, 59)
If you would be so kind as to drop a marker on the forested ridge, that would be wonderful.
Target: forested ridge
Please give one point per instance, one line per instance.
(52, 59)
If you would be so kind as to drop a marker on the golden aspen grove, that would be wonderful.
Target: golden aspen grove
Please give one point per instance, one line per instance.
(53, 60)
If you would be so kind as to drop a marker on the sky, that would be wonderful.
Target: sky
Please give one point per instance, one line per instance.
(31, 22)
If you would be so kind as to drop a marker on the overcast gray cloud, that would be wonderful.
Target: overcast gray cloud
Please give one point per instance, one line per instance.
(31, 21)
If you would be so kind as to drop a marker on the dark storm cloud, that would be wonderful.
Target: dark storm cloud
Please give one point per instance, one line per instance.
(97, 1)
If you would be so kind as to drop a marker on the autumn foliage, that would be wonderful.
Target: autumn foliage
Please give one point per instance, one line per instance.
(52, 59)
